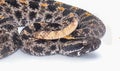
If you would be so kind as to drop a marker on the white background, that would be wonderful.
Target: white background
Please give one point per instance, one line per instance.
(106, 58)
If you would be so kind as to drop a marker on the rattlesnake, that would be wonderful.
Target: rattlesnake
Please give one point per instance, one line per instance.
(50, 27)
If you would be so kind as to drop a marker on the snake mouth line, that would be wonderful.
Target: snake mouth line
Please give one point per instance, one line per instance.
(51, 35)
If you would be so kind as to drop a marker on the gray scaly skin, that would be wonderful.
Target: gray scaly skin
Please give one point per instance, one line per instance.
(49, 15)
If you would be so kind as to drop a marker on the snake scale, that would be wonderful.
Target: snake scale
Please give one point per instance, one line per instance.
(50, 27)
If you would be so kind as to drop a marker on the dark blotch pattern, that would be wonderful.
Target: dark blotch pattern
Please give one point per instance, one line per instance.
(50, 1)
(8, 27)
(73, 54)
(58, 18)
(1, 8)
(86, 30)
(3, 38)
(80, 11)
(66, 12)
(13, 3)
(32, 15)
(37, 0)
(37, 26)
(66, 6)
(63, 40)
(25, 37)
(48, 16)
(16, 40)
(53, 26)
(18, 14)
(73, 47)
(24, 21)
(53, 47)
(40, 41)
(6, 19)
(34, 5)
(88, 18)
(55, 40)
(28, 29)
(8, 10)
(52, 8)
(5, 51)
(38, 49)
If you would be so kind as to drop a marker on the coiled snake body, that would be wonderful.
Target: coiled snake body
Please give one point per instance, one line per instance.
(50, 27)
